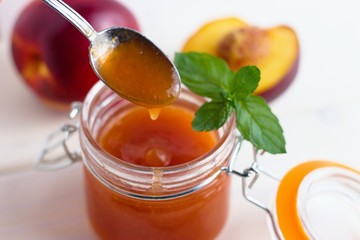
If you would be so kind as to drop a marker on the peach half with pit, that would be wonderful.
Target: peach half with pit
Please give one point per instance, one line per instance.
(275, 51)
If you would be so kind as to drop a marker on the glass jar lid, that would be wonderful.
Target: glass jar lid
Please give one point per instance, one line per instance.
(319, 200)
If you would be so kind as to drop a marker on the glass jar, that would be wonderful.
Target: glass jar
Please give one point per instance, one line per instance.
(127, 201)
(314, 200)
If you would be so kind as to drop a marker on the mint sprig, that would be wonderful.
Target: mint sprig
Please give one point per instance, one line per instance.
(212, 115)
(230, 92)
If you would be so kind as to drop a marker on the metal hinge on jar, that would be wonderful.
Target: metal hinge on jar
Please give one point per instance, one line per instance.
(253, 173)
(56, 153)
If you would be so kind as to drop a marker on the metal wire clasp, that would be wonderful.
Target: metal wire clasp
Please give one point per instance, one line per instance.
(55, 152)
(252, 172)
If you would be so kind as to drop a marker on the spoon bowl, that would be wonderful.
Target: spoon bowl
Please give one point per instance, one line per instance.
(127, 62)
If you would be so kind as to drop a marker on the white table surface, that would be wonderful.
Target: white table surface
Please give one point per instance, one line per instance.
(320, 112)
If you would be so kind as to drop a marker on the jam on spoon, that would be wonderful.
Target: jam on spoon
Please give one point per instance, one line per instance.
(127, 62)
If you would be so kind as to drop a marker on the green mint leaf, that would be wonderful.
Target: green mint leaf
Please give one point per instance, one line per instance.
(209, 76)
(245, 82)
(204, 74)
(211, 116)
(259, 125)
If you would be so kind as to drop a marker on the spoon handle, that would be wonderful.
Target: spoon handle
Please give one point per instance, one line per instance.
(73, 17)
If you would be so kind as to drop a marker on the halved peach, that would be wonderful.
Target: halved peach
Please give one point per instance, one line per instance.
(275, 51)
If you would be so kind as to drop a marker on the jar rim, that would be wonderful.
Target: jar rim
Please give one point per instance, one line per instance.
(100, 87)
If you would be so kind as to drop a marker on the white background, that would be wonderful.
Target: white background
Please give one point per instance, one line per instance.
(320, 112)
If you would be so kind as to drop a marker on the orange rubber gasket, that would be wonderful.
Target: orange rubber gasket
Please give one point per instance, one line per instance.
(287, 194)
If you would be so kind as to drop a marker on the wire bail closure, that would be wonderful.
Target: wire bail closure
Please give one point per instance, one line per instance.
(253, 171)
(55, 153)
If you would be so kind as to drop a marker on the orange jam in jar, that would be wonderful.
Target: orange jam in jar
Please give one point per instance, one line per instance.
(153, 179)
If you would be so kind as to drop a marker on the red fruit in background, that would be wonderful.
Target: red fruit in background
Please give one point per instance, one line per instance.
(52, 55)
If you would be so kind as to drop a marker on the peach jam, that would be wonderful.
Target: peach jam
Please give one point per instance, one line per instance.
(153, 179)
(167, 141)
(137, 71)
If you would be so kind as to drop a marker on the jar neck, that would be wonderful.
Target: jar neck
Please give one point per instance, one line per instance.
(140, 181)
